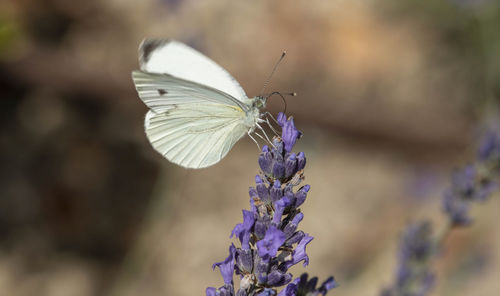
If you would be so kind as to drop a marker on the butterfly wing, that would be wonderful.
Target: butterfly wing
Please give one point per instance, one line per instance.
(193, 137)
(177, 59)
(190, 124)
(162, 92)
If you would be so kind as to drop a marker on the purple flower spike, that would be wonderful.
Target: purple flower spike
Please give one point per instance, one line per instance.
(413, 275)
(270, 242)
(289, 133)
(268, 246)
(227, 266)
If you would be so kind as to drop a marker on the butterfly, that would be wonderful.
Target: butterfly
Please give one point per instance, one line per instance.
(198, 111)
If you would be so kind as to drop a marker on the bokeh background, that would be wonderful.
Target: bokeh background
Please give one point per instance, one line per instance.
(392, 96)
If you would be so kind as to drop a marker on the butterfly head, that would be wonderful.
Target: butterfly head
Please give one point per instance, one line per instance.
(259, 102)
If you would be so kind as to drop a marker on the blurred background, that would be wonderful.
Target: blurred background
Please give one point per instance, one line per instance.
(391, 97)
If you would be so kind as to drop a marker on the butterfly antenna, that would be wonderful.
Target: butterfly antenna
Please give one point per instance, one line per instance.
(272, 72)
(282, 97)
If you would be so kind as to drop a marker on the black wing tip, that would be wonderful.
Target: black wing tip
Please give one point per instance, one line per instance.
(147, 47)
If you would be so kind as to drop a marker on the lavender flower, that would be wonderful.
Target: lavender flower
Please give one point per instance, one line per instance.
(488, 152)
(270, 241)
(416, 249)
(474, 183)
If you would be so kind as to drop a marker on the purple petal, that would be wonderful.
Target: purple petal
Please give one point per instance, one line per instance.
(279, 208)
(242, 230)
(291, 165)
(262, 189)
(262, 268)
(289, 133)
(281, 118)
(292, 225)
(253, 193)
(244, 260)
(301, 195)
(226, 267)
(276, 192)
(327, 285)
(290, 290)
(260, 228)
(266, 160)
(269, 245)
(301, 161)
(278, 170)
(296, 237)
(299, 253)
(267, 292)
(278, 278)
(211, 291)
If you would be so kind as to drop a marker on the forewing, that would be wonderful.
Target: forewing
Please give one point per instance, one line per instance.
(195, 136)
(177, 59)
(163, 92)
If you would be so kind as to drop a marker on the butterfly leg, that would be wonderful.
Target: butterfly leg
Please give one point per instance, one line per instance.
(260, 136)
(271, 127)
(267, 115)
(253, 139)
(264, 132)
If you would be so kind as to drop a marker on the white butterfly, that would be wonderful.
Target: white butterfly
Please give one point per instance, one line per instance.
(198, 111)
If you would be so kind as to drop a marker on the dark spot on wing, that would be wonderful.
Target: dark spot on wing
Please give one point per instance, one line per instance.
(147, 47)
(173, 107)
(162, 92)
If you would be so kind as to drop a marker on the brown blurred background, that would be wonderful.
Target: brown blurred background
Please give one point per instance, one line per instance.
(391, 96)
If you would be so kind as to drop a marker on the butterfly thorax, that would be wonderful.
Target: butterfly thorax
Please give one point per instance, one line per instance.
(253, 113)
